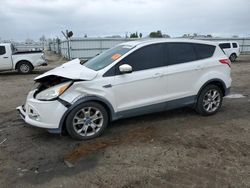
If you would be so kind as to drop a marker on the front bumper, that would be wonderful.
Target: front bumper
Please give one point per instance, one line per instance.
(227, 91)
(21, 111)
(44, 64)
(43, 114)
(40, 62)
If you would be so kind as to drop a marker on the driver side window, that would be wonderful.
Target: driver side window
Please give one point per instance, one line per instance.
(147, 57)
(2, 50)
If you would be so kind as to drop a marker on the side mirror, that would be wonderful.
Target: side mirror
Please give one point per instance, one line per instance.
(125, 68)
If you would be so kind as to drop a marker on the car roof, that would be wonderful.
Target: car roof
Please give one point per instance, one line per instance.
(144, 42)
(5, 43)
(221, 42)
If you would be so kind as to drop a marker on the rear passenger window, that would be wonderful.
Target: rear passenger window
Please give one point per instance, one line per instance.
(180, 53)
(235, 45)
(2, 50)
(225, 45)
(204, 51)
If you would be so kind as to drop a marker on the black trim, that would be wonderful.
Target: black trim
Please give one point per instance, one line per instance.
(55, 131)
(169, 105)
(20, 113)
(28, 52)
(64, 103)
(215, 80)
(107, 86)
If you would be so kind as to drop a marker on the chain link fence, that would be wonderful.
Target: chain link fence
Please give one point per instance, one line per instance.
(86, 48)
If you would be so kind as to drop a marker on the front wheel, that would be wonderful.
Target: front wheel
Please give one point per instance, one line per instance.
(209, 100)
(86, 121)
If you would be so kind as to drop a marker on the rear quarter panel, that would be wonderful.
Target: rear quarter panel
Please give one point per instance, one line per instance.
(35, 59)
(215, 71)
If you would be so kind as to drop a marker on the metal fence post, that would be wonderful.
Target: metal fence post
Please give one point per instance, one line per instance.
(68, 46)
(243, 42)
(101, 45)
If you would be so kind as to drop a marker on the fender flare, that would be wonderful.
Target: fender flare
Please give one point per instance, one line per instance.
(26, 61)
(225, 89)
(98, 99)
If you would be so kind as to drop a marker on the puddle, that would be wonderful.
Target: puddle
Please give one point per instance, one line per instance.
(90, 147)
(235, 96)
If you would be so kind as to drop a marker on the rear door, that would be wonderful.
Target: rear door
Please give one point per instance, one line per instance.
(142, 87)
(186, 64)
(5, 59)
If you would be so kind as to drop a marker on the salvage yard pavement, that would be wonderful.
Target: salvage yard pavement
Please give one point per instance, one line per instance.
(177, 148)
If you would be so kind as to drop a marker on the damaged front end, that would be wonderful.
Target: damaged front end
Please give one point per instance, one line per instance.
(51, 87)
(43, 107)
(54, 82)
(47, 103)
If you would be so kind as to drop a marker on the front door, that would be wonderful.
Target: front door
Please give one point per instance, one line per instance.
(5, 61)
(143, 87)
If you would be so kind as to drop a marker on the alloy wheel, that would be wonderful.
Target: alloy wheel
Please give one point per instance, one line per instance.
(211, 100)
(88, 121)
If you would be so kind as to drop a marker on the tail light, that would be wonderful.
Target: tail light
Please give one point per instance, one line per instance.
(225, 61)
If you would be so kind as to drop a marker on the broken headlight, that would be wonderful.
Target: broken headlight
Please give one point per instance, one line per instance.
(53, 92)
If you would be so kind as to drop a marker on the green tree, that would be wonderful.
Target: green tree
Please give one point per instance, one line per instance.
(134, 35)
(157, 34)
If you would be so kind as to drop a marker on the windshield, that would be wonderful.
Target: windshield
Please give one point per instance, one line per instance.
(107, 57)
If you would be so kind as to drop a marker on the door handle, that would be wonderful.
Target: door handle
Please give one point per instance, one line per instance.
(157, 75)
(5, 57)
(198, 68)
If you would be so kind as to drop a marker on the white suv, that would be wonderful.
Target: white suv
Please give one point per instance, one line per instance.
(231, 49)
(130, 79)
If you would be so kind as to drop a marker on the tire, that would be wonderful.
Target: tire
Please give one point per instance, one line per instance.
(81, 119)
(24, 67)
(207, 104)
(233, 57)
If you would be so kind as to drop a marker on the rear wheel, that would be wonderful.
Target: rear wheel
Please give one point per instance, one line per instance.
(86, 121)
(209, 101)
(233, 57)
(24, 67)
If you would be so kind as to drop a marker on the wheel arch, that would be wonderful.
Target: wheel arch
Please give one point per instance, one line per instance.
(102, 101)
(233, 54)
(23, 61)
(217, 82)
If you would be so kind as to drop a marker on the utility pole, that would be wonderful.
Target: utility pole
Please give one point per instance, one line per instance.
(67, 36)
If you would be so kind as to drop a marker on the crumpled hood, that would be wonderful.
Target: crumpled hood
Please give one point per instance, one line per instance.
(71, 70)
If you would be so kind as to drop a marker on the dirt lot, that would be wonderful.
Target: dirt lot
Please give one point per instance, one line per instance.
(171, 149)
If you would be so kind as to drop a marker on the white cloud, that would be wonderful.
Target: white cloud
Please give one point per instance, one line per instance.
(33, 18)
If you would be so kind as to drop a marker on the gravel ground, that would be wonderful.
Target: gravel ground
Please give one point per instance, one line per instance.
(170, 149)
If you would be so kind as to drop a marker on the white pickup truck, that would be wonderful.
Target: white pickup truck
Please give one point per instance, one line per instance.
(23, 61)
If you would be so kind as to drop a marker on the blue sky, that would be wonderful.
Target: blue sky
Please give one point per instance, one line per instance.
(21, 19)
